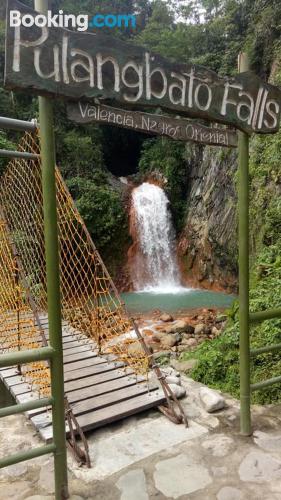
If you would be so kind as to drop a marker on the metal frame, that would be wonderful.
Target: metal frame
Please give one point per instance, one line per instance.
(246, 318)
(13, 358)
(54, 352)
(23, 126)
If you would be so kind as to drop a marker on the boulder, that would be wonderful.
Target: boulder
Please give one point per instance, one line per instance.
(146, 331)
(170, 371)
(211, 400)
(178, 390)
(157, 336)
(169, 340)
(173, 380)
(177, 327)
(166, 317)
(199, 328)
(190, 342)
(189, 329)
(182, 348)
(207, 330)
(215, 331)
(186, 336)
(184, 366)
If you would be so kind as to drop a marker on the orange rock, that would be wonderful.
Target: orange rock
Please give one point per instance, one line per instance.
(147, 332)
(160, 328)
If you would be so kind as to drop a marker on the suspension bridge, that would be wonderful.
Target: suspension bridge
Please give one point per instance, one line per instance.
(106, 361)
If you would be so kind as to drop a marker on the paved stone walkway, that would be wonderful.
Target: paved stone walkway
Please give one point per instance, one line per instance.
(147, 457)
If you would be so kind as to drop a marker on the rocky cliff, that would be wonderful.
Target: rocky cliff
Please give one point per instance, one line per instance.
(207, 242)
(207, 246)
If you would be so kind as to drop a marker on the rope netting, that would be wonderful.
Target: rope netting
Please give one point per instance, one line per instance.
(90, 302)
(18, 327)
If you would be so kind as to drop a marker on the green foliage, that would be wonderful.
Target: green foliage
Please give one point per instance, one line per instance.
(80, 154)
(168, 157)
(103, 213)
(218, 360)
(4, 144)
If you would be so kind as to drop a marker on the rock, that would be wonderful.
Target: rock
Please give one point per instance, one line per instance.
(16, 470)
(215, 331)
(147, 332)
(229, 493)
(166, 317)
(47, 477)
(258, 467)
(219, 445)
(201, 339)
(184, 366)
(199, 328)
(179, 476)
(79, 488)
(40, 497)
(16, 490)
(177, 327)
(219, 471)
(177, 336)
(156, 337)
(269, 442)
(190, 342)
(161, 354)
(189, 329)
(173, 380)
(170, 340)
(182, 348)
(170, 371)
(150, 343)
(160, 328)
(133, 485)
(178, 390)
(212, 400)
(186, 336)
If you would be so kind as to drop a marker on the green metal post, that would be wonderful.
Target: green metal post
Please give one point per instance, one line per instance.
(53, 284)
(243, 209)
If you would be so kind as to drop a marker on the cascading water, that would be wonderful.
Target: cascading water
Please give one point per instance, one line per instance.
(154, 266)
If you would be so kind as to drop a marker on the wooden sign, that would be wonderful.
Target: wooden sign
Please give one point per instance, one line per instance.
(76, 65)
(174, 128)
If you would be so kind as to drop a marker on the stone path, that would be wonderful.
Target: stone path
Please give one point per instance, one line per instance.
(147, 457)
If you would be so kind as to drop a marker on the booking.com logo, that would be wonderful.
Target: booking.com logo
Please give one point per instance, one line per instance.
(82, 22)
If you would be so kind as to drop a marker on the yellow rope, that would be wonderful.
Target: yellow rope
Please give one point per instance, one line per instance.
(90, 303)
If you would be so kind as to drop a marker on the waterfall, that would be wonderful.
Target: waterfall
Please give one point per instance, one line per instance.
(154, 266)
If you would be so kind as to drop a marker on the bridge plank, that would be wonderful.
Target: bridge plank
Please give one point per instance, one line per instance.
(103, 416)
(100, 390)
(90, 370)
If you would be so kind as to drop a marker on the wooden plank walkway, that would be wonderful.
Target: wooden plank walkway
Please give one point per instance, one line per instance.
(99, 390)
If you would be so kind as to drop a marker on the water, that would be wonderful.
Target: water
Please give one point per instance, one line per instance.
(155, 268)
(143, 302)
